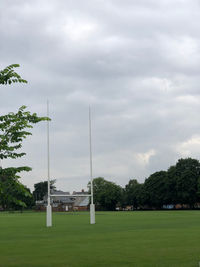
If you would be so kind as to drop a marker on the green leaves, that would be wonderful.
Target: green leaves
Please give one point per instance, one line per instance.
(106, 194)
(133, 193)
(180, 184)
(9, 76)
(12, 192)
(41, 188)
(14, 129)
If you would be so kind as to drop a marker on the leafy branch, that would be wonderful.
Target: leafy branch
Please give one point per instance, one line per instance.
(8, 75)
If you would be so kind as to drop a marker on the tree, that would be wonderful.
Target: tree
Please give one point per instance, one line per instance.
(185, 177)
(133, 193)
(11, 190)
(8, 75)
(156, 190)
(106, 194)
(41, 188)
(14, 128)
(27, 199)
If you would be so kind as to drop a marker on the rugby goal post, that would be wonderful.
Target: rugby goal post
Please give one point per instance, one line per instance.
(49, 207)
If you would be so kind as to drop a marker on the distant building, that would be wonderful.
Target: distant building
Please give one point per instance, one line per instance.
(64, 202)
(81, 203)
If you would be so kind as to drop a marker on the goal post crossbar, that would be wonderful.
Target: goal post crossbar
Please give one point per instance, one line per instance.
(70, 195)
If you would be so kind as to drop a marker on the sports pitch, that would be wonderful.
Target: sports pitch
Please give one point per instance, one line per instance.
(154, 238)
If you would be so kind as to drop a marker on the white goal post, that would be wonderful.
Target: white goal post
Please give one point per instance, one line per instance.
(49, 207)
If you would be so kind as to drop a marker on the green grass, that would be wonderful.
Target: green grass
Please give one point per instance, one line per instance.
(157, 238)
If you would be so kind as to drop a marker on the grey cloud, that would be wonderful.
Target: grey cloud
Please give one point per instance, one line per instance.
(135, 62)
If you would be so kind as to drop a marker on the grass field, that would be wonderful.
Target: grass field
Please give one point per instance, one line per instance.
(156, 238)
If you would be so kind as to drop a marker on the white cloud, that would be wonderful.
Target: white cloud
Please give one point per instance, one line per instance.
(77, 30)
(190, 147)
(144, 158)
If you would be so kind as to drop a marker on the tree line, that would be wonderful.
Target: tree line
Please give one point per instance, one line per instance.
(179, 185)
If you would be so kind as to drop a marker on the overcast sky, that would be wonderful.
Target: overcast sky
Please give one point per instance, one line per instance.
(135, 62)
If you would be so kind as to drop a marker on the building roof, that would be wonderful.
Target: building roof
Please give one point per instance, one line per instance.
(85, 202)
(65, 198)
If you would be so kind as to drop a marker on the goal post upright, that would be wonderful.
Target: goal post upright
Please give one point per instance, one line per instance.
(48, 208)
(49, 195)
(92, 206)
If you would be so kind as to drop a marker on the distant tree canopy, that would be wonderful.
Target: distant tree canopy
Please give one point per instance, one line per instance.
(41, 188)
(185, 176)
(133, 193)
(106, 194)
(180, 184)
(156, 189)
